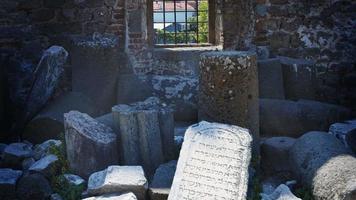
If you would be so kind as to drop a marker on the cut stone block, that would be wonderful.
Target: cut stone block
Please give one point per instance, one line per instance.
(8, 180)
(119, 179)
(299, 77)
(228, 90)
(292, 119)
(213, 163)
(275, 154)
(322, 162)
(15, 153)
(82, 132)
(48, 124)
(270, 79)
(48, 166)
(162, 181)
(127, 196)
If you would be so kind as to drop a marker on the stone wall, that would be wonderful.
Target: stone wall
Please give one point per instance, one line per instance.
(321, 30)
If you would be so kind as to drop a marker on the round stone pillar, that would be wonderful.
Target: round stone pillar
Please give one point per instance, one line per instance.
(228, 90)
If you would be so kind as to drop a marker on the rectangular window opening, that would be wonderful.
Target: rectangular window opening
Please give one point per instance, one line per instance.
(181, 22)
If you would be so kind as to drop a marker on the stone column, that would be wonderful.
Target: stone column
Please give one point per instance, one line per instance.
(228, 90)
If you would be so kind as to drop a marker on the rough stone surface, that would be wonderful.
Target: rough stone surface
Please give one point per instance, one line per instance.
(43, 149)
(48, 124)
(213, 163)
(15, 153)
(127, 196)
(48, 166)
(282, 192)
(81, 132)
(33, 186)
(275, 154)
(322, 162)
(8, 180)
(119, 179)
(74, 179)
(108, 120)
(179, 92)
(228, 90)
(290, 118)
(270, 78)
(344, 131)
(162, 181)
(56, 196)
(27, 162)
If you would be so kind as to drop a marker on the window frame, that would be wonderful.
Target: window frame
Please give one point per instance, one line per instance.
(211, 28)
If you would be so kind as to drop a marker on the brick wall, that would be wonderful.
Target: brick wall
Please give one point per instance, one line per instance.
(321, 30)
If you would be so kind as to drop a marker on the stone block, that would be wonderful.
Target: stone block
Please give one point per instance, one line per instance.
(228, 90)
(108, 120)
(119, 179)
(162, 181)
(42, 150)
(213, 163)
(8, 180)
(15, 153)
(344, 132)
(48, 124)
(73, 179)
(282, 192)
(127, 196)
(81, 132)
(270, 79)
(321, 162)
(48, 166)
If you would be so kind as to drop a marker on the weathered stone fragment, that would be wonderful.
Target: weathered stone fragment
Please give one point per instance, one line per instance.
(150, 140)
(292, 119)
(344, 132)
(8, 180)
(43, 149)
(275, 154)
(213, 163)
(299, 77)
(282, 192)
(55, 196)
(33, 186)
(74, 179)
(95, 64)
(228, 90)
(48, 166)
(162, 181)
(322, 162)
(119, 179)
(126, 123)
(15, 153)
(127, 196)
(108, 120)
(82, 132)
(270, 79)
(48, 124)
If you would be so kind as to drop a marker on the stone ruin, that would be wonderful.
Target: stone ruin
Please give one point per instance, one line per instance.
(92, 106)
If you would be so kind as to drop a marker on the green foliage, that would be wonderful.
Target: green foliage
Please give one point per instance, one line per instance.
(257, 189)
(304, 193)
(65, 190)
(59, 184)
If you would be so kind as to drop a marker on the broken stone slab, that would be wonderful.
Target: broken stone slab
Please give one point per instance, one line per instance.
(299, 77)
(48, 124)
(15, 153)
(275, 155)
(127, 196)
(282, 192)
(33, 186)
(162, 181)
(46, 78)
(228, 90)
(44, 148)
(270, 79)
(48, 166)
(119, 179)
(292, 119)
(96, 62)
(323, 163)
(213, 162)
(73, 179)
(344, 131)
(81, 132)
(179, 92)
(8, 180)
(150, 140)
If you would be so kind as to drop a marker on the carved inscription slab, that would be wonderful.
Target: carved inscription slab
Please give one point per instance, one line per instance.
(213, 163)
